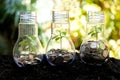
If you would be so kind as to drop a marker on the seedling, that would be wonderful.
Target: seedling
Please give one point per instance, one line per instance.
(94, 50)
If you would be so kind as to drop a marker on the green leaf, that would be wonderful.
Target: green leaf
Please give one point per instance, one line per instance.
(33, 1)
(23, 43)
(63, 34)
(93, 34)
(99, 29)
(31, 38)
(58, 37)
(54, 37)
(90, 32)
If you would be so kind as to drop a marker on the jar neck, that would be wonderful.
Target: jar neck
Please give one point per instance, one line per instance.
(95, 26)
(28, 29)
(28, 17)
(28, 24)
(60, 22)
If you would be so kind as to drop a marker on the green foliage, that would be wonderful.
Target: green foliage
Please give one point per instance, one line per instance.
(60, 35)
(95, 31)
(28, 43)
(3, 46)
(9, 18)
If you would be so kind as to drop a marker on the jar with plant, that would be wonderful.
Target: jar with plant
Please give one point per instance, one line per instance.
(27, 49)
(94, 50)
(60, 49)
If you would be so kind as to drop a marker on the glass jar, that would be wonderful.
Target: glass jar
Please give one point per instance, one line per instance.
(60, 49)
(94, 50)
(27, 49)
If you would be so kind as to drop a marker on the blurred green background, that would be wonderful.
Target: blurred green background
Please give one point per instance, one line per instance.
(9, 19)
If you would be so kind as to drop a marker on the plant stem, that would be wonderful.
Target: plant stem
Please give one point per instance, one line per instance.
(60, 41)
(96, 33)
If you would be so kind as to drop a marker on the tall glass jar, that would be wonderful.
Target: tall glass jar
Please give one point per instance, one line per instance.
(27, 49)
(60, 49)
(94, 50)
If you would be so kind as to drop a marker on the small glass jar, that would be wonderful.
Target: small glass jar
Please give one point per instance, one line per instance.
(27, 49)
(60, 49)
(94, 50)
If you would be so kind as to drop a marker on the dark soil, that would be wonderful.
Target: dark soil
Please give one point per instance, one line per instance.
(75, 71)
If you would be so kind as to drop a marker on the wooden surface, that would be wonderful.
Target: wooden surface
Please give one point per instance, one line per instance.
(76, 71)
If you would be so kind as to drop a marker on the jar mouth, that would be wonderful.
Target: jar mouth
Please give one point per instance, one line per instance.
(95, 17)
(28, 17)
(60, 16)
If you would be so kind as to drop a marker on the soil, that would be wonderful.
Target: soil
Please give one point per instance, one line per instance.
(110, 70)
